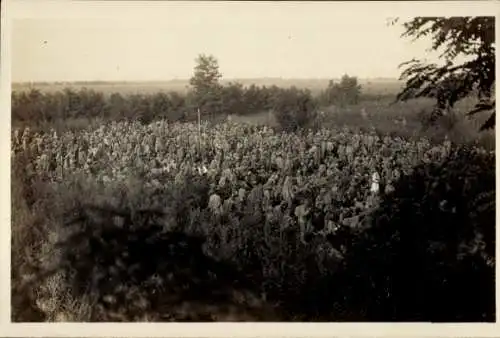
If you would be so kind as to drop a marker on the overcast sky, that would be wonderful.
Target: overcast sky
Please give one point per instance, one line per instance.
(141, 41)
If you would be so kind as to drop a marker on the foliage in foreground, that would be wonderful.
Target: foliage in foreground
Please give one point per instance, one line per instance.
(293, 212)
(429, 254)
(472, 38)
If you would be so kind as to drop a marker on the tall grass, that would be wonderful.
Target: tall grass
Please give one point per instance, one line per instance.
(87, 250)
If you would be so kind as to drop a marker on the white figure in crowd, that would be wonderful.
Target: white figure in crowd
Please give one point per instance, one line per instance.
(375, 186)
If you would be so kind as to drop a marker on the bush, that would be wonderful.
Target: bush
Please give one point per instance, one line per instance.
(28, 232)
(293, 108)
(116, 255)
(429, 254)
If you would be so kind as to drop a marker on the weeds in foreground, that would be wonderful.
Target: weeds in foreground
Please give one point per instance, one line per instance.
(84, 250)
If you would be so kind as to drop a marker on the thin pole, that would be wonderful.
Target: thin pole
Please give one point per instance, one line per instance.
(199, 130)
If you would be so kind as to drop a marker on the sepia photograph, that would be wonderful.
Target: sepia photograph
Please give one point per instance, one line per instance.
(184, 161)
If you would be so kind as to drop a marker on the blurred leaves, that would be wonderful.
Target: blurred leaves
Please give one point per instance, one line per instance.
(470, 38)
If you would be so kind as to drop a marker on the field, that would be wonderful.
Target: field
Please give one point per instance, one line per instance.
(215, 199)
(371, 86)
(375, 109)
(127, 221)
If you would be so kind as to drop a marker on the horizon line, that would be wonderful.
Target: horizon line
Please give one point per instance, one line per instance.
(187, 80)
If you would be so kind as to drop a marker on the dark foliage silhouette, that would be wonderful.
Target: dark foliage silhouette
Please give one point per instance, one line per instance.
(294, 108)
(429, 253)
(135, 269)
(472, 37)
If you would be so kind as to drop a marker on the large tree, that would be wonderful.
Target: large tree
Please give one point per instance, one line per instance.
(467, 46)
(205, 84)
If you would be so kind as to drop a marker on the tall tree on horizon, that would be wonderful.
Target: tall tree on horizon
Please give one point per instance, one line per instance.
(205, 84)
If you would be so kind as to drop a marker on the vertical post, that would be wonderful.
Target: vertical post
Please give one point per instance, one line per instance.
(199, 122)
(199, 131)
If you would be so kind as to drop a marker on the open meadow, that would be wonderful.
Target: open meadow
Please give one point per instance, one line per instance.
(371, 86)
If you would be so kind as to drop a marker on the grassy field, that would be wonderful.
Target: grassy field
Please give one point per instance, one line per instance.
(370, 86)
(402, 119)
(379, 111)
(157, 222)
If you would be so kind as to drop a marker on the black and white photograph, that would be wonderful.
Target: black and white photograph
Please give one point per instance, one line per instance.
(247, 161)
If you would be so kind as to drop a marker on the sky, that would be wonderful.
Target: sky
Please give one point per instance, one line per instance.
(155, 42)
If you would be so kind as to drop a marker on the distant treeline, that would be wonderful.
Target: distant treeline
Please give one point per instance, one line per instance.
(37, 107)
(374, 86)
